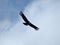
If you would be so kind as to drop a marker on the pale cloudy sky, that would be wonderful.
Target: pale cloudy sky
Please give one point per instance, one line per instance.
(43, 13)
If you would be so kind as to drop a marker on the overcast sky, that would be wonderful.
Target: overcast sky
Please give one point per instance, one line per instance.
(43, 13)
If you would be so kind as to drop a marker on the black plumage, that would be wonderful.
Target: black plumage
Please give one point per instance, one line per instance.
(27, 22)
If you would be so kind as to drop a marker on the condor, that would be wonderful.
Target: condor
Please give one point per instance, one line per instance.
(27, 22)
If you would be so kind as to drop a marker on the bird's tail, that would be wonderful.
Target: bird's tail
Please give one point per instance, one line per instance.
(25, 24)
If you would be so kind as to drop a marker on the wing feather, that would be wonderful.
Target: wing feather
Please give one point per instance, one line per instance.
(24, 17)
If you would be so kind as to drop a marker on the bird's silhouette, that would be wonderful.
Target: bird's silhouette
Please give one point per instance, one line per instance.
(27, 22)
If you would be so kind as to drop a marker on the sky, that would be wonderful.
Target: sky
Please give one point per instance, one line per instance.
(9, 12)
(43, 13)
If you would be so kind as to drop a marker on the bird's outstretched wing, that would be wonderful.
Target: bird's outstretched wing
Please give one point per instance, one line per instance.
(35, 27)
(23, 16)
(27, 22)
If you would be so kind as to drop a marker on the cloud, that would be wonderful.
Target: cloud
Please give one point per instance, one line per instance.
(9, 10)
(44, 14)
(8, 15)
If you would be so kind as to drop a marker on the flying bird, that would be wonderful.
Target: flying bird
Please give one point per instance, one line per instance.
(27, 22)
